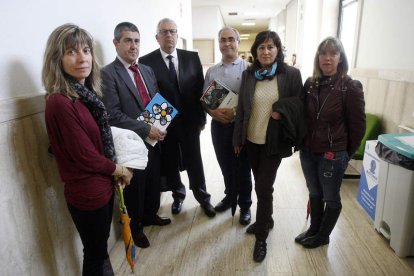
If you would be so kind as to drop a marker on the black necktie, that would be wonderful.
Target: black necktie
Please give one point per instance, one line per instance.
(174, 80)
(171, 67)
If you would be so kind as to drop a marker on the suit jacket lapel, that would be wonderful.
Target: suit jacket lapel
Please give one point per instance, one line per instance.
(161, 64)
(180, 64)
(146, 76)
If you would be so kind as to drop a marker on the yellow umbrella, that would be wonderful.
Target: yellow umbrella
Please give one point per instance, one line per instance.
(126, 230)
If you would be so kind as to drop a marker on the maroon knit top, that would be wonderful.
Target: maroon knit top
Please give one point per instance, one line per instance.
(77, 146)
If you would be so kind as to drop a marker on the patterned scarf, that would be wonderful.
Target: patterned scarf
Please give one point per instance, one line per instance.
(266, 72)
(99, 113)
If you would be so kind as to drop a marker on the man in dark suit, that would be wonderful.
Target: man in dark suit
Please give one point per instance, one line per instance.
(127, 88)
(180, 79)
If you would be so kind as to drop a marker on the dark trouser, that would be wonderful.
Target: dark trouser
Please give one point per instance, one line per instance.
(324, 176)
(94, 227)
(230, 164)
(264, 171)
(142, 196)
(183, 138)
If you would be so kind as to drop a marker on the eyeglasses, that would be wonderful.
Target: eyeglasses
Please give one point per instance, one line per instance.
(165, 32)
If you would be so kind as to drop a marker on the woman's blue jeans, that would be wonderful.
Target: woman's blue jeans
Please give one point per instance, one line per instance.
(324, 176)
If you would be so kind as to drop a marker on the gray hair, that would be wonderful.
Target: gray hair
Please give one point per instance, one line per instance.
(231, 29)
(124, 27)
(165, 20)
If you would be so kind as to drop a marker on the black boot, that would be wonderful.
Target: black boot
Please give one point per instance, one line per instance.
(316, 213)
(330, 217)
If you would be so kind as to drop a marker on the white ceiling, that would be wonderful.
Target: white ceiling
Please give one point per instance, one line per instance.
(260, 12)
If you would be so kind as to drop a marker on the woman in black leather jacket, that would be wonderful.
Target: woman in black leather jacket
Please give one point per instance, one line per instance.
(334, 105)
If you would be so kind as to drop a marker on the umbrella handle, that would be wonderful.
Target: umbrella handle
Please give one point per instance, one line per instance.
(120, 191)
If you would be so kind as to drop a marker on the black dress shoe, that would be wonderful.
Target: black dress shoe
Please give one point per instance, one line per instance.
(141, 240)
(260, 251)
(208, 209)
(223, 205)
(315, 241)
(160, 221)
(301, 237)
(176, 206)
(245, 216)
(252, 228)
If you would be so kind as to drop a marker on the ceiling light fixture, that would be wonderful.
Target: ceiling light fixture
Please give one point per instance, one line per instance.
(248, 23)
(245, 35)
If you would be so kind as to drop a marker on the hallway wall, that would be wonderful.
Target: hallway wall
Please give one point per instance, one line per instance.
(384, 61)
(202, 31)
(27, 25)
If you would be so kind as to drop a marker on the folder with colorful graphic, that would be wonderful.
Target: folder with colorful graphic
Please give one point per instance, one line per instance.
(158, 113)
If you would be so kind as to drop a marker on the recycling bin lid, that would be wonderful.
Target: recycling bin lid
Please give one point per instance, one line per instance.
(402, 143)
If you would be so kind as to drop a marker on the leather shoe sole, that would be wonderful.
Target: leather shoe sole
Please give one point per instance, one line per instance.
(176, 206)
(260, 251)
(208, 210)
(245, 216)
(252, 228)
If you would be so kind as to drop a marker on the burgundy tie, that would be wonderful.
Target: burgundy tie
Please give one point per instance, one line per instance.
(142, 90)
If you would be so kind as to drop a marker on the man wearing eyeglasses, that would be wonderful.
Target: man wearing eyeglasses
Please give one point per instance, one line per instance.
(229, 72)
(180, 79)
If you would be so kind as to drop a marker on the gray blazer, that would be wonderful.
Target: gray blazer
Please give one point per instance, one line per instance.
(289, 83)
(121, 97)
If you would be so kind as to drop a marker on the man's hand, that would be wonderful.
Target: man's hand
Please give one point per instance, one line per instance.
(237, 150)
(223, 115)
(156, 134)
